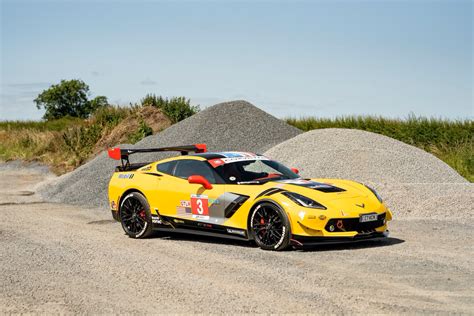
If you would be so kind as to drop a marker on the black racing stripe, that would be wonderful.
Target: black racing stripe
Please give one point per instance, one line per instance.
(235, 205)
(270, 191)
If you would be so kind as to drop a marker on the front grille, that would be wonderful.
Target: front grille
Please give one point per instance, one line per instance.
(353, 224)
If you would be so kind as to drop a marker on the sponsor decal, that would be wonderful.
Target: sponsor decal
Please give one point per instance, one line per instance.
(146, 168)
(180, 210)
(204, 225)
(200, 206)
(216, 162)
(235, 158)
(236, 231)
(184, 203)
(282, 238)
(214, 202)
(237, 154)
(156, 219)
(125, 176)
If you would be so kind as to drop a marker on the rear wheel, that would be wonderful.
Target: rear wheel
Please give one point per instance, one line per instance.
(135, 216)
(270, 227)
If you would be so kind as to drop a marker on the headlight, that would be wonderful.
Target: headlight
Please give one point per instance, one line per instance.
(375, 193)
(303, 200)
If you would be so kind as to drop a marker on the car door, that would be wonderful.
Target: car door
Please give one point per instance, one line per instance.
(186, 201)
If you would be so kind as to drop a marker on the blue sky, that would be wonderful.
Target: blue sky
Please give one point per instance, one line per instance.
(322, 58)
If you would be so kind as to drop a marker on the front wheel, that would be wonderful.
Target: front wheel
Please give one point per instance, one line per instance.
(135, 216)
(270, 227)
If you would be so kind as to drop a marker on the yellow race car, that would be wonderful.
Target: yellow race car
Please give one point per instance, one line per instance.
(243, 196)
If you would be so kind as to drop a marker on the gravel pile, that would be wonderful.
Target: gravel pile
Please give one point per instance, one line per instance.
(429, 200)
(361, 156)
(234, 125)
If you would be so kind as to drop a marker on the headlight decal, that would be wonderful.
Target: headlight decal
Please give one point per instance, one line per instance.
(303, 200)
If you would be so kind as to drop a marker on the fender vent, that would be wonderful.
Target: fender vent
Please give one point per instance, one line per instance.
(235, 205)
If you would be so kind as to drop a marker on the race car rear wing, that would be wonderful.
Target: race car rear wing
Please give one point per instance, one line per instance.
(122, 154)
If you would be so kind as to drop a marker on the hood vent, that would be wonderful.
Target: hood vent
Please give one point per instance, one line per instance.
(330, 189)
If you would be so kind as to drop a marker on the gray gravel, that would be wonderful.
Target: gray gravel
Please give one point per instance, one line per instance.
(429, 200)
(62, 259)
(361, 156)
(236, 125)
(57, 259)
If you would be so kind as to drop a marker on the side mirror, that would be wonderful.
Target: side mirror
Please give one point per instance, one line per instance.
(295, 170)
(197, 179)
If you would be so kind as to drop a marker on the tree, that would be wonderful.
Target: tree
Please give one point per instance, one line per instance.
(68, 98)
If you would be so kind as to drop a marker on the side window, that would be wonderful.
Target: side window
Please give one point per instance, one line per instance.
(166, 167)
(186, 168)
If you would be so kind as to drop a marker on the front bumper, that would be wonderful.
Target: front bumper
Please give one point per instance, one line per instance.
(115, 215)
(302, 241)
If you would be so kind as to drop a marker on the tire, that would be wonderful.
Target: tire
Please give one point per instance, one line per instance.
(135, 216)
(269, 227)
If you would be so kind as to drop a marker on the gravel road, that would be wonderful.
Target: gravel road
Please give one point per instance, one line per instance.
(57, 258)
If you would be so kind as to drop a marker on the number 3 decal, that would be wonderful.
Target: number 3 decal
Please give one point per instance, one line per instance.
(199, 205)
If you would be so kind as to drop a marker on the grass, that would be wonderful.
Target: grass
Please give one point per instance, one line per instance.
(63, 144)
(66, 143)
(41, 126)
(450, 141)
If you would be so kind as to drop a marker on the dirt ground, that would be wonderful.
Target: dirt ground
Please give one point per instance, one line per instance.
(65, 259)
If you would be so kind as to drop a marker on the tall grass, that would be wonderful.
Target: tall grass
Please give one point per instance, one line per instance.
(450, 140)
(64, 144)
(53, 125)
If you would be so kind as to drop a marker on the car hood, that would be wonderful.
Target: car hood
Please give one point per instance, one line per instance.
(333, 193)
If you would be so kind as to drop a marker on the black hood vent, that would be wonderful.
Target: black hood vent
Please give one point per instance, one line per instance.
(330, 189)
(323, 187)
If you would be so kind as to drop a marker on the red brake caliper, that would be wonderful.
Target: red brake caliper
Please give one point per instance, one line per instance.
(142, 214)
(262, 221)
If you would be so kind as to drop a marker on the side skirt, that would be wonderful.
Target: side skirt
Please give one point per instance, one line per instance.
(180, 225)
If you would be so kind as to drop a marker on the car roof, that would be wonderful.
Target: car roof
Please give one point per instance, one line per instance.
(211, 155)
(226, 154)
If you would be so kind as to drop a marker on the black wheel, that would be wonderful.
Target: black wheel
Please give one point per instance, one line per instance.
(269, 227)
(135, 216)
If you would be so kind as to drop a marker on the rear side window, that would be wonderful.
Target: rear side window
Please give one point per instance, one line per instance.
(186, 168)
(166, 167)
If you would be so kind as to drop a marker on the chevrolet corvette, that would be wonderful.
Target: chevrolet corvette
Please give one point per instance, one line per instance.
(240, 195)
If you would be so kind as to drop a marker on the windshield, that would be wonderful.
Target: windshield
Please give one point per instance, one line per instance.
(254, 172)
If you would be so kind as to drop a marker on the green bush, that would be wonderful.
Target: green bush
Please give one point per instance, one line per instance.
(110, 116)
(79, 141)
(143, 131)
(176, 108)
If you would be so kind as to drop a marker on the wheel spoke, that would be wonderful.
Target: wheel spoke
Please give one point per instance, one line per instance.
(271, 231)
(130, 211)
